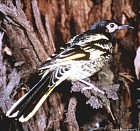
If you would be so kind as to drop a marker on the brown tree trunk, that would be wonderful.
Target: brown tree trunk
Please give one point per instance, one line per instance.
(34, 29)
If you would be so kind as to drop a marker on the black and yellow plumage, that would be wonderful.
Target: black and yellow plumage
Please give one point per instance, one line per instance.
(83, 56)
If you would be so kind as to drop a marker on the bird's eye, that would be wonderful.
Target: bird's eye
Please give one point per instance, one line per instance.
(111, 25)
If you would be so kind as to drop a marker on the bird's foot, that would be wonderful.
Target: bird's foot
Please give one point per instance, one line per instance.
(91, 86)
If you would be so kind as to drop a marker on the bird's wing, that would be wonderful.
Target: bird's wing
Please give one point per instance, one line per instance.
(79, 48)
(65, 57)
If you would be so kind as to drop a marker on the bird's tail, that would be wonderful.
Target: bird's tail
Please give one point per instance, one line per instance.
(27, 105)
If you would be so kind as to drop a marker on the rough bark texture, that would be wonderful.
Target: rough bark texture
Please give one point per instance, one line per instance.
(34, 29)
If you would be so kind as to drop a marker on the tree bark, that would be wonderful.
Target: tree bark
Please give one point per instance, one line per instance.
(35, 29)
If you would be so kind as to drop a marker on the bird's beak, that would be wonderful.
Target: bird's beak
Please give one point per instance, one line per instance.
(124, 27)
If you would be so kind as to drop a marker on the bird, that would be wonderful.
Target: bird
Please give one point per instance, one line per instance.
(83, 56)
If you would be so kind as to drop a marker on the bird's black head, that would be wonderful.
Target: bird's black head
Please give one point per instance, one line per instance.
(108, 27)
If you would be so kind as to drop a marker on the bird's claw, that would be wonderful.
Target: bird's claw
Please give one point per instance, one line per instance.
(91, 86)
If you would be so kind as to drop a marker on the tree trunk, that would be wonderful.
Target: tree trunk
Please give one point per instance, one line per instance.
(35, 29)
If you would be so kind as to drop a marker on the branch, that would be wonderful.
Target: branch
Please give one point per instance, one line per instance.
(48, 28)
(40, 28)
(55, 113)
(12, 15)
(71, 121)
(96, 99)
(1, 37)
(13, 77)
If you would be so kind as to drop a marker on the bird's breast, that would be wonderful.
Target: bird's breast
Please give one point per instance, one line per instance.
(85, 69)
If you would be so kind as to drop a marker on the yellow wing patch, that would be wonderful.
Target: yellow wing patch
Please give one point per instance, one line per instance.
(72, 57)
(63, 61)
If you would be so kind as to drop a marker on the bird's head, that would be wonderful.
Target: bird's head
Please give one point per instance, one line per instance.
(109, 27)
